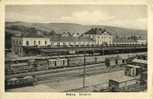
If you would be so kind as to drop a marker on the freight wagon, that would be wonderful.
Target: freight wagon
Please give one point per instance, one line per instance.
(58, 62)
(75, 61)
(113, 61)
(20, 68)
(45, 63)
(61, 62)
(90, 60)
(41, 64)
(100, 59)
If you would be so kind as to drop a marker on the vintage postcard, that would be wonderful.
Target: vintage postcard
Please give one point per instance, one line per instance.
(74, 50)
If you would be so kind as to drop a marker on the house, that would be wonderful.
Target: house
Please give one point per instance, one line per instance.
(142, 41)
(67, 40)
(100, 36)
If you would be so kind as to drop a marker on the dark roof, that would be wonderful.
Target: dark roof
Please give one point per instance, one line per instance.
(33, 35)
(66, 34)
(69, 39)
(97, 31)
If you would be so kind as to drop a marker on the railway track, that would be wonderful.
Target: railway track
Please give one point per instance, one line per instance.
(53, 71)
(61, 69)
(77, 74)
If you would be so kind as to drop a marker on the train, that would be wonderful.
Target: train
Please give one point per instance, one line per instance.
(46, 63)
(29, 65)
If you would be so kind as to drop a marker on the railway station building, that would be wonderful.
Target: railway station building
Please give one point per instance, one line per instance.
(101, 36)
(36, 44)
(19, 42)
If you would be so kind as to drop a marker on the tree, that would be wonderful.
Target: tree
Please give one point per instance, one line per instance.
(51, 33)
(32, 30)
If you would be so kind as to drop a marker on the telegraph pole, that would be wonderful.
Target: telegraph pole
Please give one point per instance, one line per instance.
(103, 48)
(84, 72)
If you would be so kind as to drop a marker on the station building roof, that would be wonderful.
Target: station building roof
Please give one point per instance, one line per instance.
(70, 39)
(31, 35)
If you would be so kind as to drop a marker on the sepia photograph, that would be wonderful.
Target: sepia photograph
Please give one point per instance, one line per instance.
(76, 48)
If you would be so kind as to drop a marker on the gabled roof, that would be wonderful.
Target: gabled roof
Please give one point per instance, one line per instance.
(98, 31)
(66, 34)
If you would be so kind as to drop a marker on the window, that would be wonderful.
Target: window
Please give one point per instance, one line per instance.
(116, 61)
(16, 42)
(123, 61)
(20, 43)
(34, 42)
(45, 42)
(39, 42)
(27, 43)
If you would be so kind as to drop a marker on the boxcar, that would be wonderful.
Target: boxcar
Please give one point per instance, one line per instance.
(76, 61)
(19, 68)
(51, 63)
(61, 62)
(41, 64)
(90, 59)
(100, 59)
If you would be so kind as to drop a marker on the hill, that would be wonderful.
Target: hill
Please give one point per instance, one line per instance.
(59, 28)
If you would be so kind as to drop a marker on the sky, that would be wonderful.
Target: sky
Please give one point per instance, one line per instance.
(128, 16)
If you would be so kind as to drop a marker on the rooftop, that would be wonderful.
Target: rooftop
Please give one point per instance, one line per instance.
(97, 31)
(70, 39)
(122, 79)
(140, 61)
(38, 34)
(124, 40)
(133, 66)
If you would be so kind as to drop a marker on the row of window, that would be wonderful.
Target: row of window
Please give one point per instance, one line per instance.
(17, 42)
(102, 37)
(18, 51)
(35, 43)
(73, 43)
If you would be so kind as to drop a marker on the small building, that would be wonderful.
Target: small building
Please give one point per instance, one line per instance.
(142, 41)
(116, 85)
(140, 62)
(136, 67)
(143, 78)
(132, 70)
